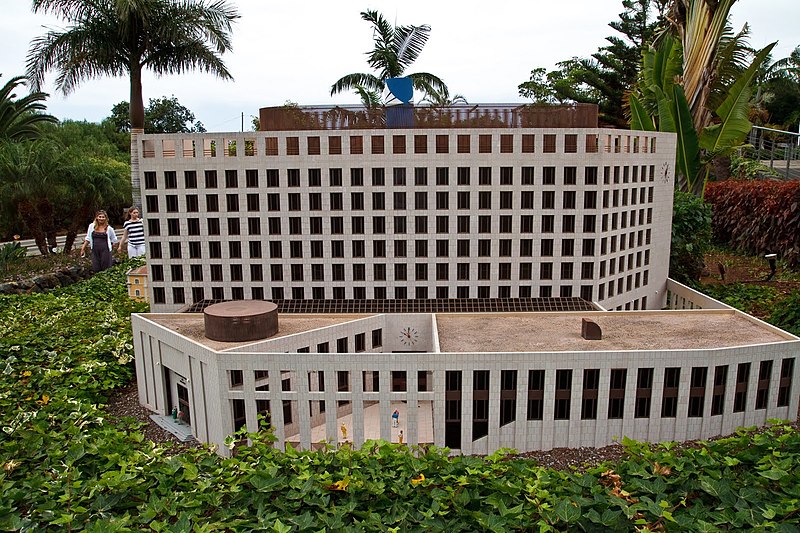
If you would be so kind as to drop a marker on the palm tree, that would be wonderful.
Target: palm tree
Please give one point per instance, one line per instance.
(19, 119)
(396, 48)
(124, 37)
(31, 188)
(788, 67)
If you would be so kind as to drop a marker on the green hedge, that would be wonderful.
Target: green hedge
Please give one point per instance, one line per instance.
(757, 216)
(66, 468)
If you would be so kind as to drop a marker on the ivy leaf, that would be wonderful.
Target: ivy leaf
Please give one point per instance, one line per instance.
(74, 453)
(567, 511)
(280, 527)
(263, 483)
(773, 474)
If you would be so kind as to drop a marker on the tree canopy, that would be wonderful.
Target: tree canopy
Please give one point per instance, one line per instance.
(606, 76)
(123, 37)
(57, 181)
(162, 115)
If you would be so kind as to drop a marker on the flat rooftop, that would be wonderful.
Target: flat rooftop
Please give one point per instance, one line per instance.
(649, 330)
(539, 332)
(192, 326)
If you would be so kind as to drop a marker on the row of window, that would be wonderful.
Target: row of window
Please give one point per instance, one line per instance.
(291, 177)
(698, 393)
(397, 272)
(400, 144)
(402, 224)
(420, 248)
(399, 200)
(617, 384)
(590, 408)
(416, 291)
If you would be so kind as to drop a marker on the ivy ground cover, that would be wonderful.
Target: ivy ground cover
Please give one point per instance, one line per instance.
(65, 467)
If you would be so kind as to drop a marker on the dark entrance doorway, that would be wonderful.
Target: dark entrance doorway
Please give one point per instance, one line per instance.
(183, 404)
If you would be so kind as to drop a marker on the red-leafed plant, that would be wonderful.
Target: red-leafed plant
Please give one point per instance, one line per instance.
(757, 216)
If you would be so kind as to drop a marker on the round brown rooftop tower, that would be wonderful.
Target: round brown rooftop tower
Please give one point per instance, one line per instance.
(241, 321)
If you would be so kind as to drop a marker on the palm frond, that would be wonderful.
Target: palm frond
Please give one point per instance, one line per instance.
(120, 37)
(369, 98)
(20, 118)
(351, 81)
(428, 83)
(408, 43)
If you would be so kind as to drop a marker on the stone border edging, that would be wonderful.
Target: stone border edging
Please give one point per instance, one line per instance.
(45, 282)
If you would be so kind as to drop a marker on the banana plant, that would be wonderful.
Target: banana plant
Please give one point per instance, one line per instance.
(659, 103)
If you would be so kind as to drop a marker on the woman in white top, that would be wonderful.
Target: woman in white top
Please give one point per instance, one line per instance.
(134, 233)
(101, 238)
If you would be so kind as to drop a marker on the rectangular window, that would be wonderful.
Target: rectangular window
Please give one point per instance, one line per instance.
(528, 143)
(549, 143)
(292, 146)
(271, 146)
(740, 394)
(697, 391)
(563, 393)
(508, 396)
(535, 394)
(398, 144)
(644, 392)
(480, 404)
(334, 145)
(377, 144)
(485, 144)
(442, 144)
(669, 399)
(718, 392)
(356, 144)
(616, 393)
(762, 388)
(506, 144)
(570, 143)
(421, 200)
(785, 383)
(591, 385)
(420, 144)
(421, 176)
(463, 144)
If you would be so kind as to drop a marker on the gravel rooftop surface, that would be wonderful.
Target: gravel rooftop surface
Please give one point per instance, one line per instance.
(125, 403)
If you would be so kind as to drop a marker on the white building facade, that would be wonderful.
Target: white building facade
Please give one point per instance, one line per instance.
(422, 214)
(408, 214)
(353, 372)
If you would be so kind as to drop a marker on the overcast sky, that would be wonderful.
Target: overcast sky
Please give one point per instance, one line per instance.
(296, 50)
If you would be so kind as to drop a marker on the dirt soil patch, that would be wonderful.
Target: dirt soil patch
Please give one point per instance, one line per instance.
(722, 267)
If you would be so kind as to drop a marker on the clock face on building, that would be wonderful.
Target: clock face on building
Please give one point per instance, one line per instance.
(409, 336)
(665, 173)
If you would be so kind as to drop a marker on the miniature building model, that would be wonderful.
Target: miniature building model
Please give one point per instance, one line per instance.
(409, 214)
(137, 284)
(396, 231)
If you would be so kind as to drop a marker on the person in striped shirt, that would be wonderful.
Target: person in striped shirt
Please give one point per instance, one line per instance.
(134, 233)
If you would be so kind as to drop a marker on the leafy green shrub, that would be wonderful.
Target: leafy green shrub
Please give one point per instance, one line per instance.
(786, 314)
(757, 300)
(66, 468)
(757, 216)
(691, 237)
(11, 252)
(747, 168)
